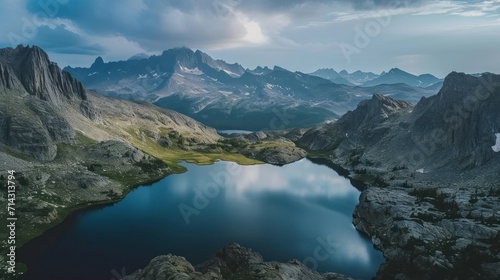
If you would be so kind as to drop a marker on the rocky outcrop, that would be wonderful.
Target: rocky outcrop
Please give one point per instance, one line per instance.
(280, 155)
(41, 77)
(370, 113)
(463, 116)
(427, 234)
(116, 152)
(231, 262)
(8, 79)
(27, 134)
(365, 126)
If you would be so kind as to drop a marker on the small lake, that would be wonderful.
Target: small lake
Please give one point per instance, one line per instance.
(299, 211)
(233, 131)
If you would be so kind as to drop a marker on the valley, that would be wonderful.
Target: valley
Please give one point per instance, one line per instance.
(427, 163)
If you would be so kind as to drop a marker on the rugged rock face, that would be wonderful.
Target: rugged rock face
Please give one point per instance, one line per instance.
(373, 112)
(366, 125)
(462, 118)
(28, 136)
(33, 127)
(32, 90)
(231, 262)
(426, 235)
(39, 76)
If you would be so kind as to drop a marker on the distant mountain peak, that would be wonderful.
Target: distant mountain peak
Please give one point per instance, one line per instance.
(387, 103)
(396, 75)
(277, 68)
(397, 70)
(98, 62)
(138, 56)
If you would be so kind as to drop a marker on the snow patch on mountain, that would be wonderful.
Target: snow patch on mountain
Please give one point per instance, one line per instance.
(194, 71)
(232, 74)
(496, 147)
(226, 93)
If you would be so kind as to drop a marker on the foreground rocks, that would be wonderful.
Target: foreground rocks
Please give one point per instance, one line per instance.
(231, 262)
(425, 234)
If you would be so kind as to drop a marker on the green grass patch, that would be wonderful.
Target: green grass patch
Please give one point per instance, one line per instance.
(173, 155)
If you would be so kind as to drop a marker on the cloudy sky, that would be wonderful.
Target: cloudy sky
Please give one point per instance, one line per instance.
(419, 36)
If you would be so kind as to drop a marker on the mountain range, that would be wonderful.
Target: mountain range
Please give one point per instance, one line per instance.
(367, 79)
(226, 96)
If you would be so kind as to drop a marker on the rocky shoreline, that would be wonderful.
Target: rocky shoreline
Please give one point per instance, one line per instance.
(231, 262)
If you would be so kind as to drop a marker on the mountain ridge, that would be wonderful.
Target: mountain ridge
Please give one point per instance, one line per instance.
(226, 96)
(367, 79)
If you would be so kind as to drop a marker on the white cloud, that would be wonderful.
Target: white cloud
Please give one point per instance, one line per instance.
(254, 33)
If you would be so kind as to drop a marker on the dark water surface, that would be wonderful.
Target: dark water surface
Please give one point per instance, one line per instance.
(301, 210)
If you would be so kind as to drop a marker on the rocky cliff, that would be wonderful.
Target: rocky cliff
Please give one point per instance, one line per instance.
(38, 75)
(32, 91)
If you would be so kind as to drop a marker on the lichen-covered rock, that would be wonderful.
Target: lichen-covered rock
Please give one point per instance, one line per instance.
(116, 151)
(420, 242)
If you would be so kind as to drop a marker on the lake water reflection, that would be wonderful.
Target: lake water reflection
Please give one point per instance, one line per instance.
(301, 210)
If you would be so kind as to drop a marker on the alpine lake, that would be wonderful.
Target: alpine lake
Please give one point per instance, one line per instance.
(298, 211)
